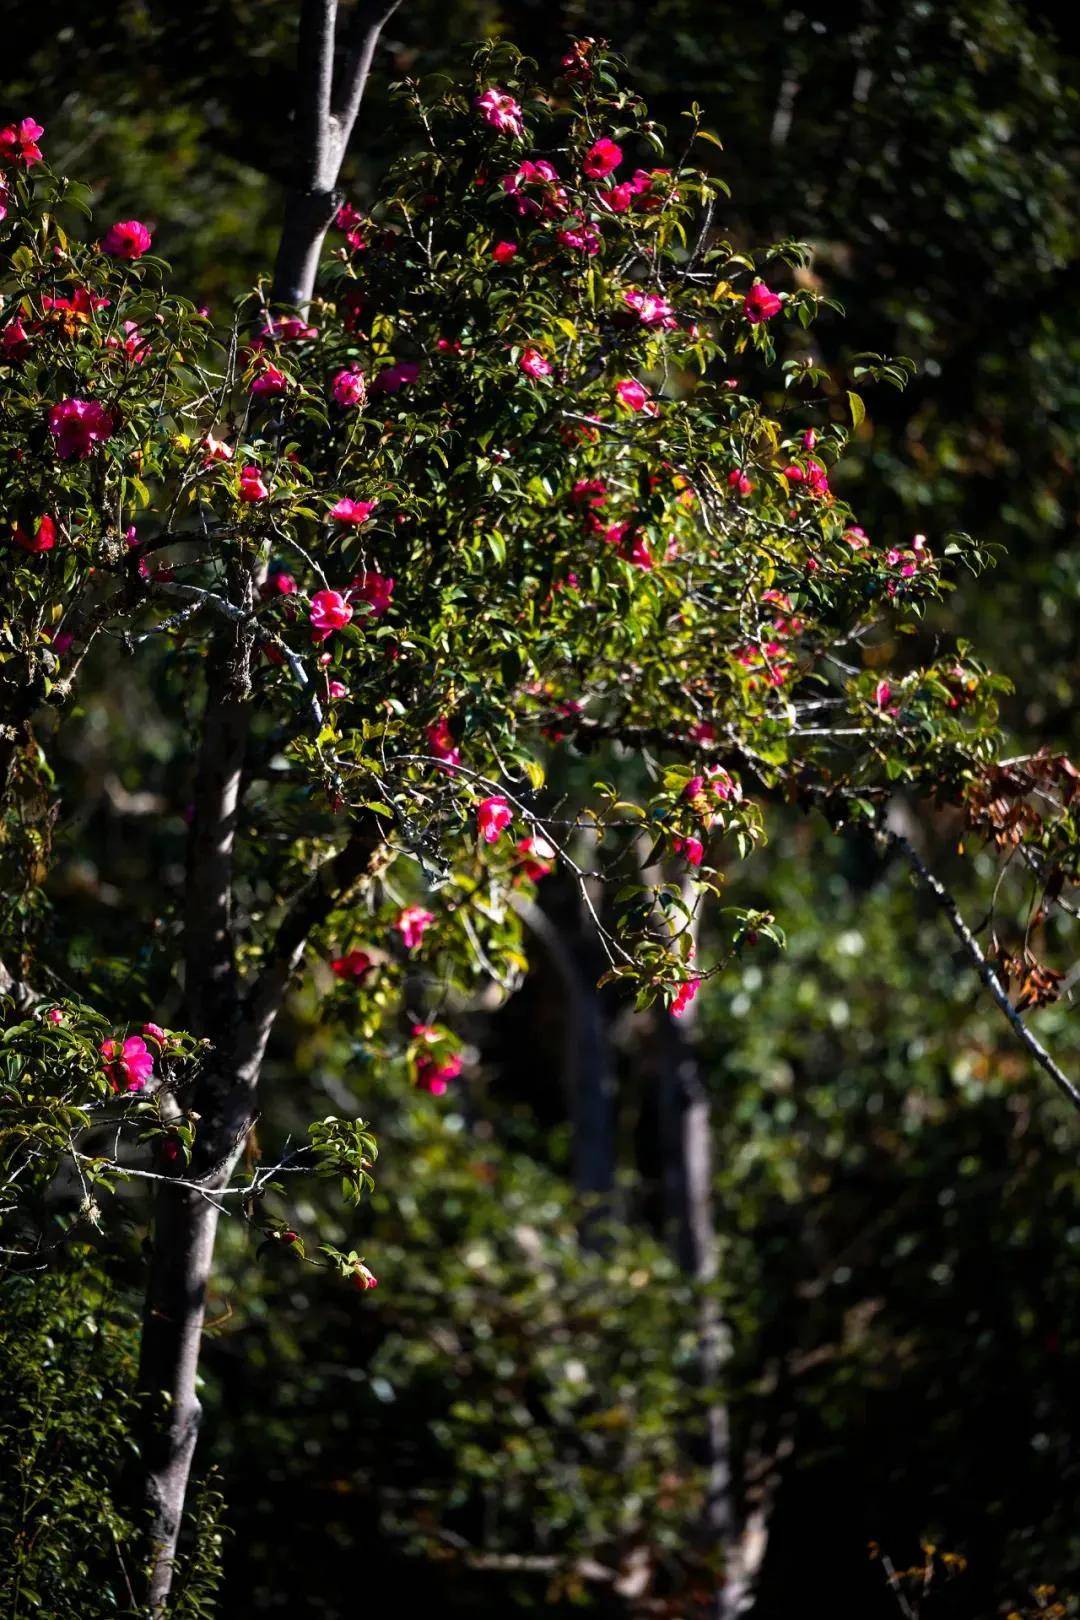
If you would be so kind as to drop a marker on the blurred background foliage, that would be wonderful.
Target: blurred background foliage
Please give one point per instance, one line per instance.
(502, 1425)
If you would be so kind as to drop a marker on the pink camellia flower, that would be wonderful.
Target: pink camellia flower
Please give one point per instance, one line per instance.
(601, 158)
(684, 996)
(351, 513)
(650, 309)
(286, 329)
(354, 965)
(19, 142)
(363, 1278)
(813, 476)
(14, 340)
(61, 642)
(129, 1065)
(412, 923)
(42, 539)
(434, 1069)
(537, 858)
(541, 176)
(501, 111)
(268, 382)
(589, 492)
(215, 450)
(347, 216)
(882, 694)
(534, 364)
(375, 589)
(856, 537)
(617, 198)
(809, 439)
(78, 425)
(739, 482)
(440, 741)
(127, 239)
(392, 379)
(702, 731)
(252, 488)
(493, 816)
(448, 345)
(761, 304)
(154, 1032)
(55, 1015)
(133, 342)
(348, 388)
(583, 238)
(635, 550)
(691, 848)
(278, 583)
(504, 252)
(635, 396)
(329, 612)
(336, 690)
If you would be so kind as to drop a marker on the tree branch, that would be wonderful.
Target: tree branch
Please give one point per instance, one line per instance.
(984, 969)
(308, 908)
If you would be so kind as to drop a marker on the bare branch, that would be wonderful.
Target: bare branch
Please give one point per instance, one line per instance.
(983, 967)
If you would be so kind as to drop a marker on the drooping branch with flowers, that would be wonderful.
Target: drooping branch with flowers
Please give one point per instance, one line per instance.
(537, 483)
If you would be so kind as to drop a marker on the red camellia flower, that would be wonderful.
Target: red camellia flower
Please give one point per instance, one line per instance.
(215, 450)
(501, 111)
(434, 1069)
(78, 425)
(504, 252)
(601, 158)
(14, 340)
(533, 363)
(351, 513)
(761, 304)
(373, 588)
(268, 382)
(441, 742)
(42, 539)
(392, 379)
(252, 487)
(635, 396)
(278, 583)
(363, 1279)
(412, 923)
(19, 142)
(813, 476)
(348, 388)
(285, 329)
(127, 239)
(329, 612)
(129, 1065)
(493, 816)
(684, 996)
(537, 858)
(691, 848)
(353, 965)
(589, 492)
(739, 482)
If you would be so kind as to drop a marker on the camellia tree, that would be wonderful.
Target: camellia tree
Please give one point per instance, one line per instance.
(538, 466)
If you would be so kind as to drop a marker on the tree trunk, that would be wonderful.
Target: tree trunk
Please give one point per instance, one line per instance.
(185, 1225)
(686, 1125)
(308, 217)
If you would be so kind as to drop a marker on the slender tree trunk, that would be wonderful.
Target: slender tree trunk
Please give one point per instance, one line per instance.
(588, 1070)
(686, 1126)
(736, 1529)
(328, 99)
(216, 1008)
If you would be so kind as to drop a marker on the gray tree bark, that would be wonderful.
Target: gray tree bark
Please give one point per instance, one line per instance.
(328, 100)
